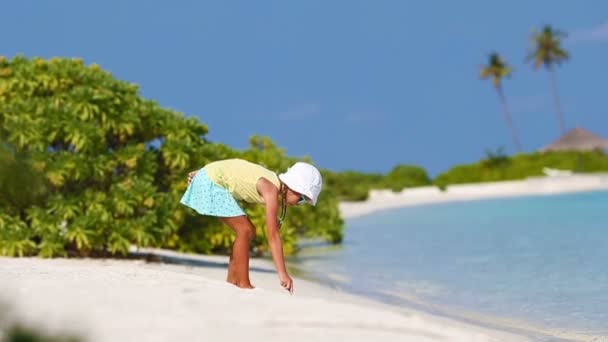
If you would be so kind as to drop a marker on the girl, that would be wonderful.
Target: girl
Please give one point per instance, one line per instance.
(214, 189)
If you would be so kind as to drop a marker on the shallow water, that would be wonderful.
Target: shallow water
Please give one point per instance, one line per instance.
(536, 263)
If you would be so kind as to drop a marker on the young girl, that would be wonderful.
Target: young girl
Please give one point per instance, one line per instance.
(214, 189)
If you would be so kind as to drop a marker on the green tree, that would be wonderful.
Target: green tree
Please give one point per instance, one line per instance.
(406, 176)
(21, 185)
(108, 167)
(352, 185)
(547, 51)
(496, 166)
(114, 162)
(496, 70)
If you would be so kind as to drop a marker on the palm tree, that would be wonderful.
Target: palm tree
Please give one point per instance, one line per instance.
(547, 51)
(496, 70)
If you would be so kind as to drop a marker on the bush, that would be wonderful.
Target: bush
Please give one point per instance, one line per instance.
(12, 330)
(107, 168)
(21, 333)
(351, 185)
(355, 186)
(405, 176)
(499, 168)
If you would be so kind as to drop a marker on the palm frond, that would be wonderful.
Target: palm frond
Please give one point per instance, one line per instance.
(546, 47)
(496, 69)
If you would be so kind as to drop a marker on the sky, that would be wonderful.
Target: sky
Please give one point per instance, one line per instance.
(354, 85)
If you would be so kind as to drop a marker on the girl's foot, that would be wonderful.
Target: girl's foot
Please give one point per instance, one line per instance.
(241, 285)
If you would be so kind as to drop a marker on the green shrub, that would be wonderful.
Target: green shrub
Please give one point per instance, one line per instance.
(405, 176)
(355, 186)
(107, 168)
(499, 168)
(21, 333)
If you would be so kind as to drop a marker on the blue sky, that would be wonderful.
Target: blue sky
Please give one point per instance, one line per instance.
(360, 85)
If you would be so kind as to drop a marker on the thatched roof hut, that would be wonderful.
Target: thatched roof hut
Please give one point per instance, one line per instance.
(577, 139)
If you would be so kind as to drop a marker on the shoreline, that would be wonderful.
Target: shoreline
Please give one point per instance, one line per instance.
(380, 200)
(188, 298)
(408, 302)
(164, 295)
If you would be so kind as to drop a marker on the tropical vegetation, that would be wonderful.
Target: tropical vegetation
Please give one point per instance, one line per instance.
(547, 51)
(497, 166)
(26, 333)
(89, 167)
(496, 70)
(355, 186)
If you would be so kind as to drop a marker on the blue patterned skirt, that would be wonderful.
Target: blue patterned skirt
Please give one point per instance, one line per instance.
(208, 198)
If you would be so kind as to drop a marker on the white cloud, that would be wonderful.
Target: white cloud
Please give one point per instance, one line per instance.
(299, 112)
(595, 34)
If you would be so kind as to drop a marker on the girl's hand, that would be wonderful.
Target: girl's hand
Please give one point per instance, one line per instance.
(190, 176)
(286, 282)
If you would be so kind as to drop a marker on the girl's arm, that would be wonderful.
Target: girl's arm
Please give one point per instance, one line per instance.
(270, 193)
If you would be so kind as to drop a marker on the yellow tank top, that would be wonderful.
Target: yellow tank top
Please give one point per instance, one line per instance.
(240, 177)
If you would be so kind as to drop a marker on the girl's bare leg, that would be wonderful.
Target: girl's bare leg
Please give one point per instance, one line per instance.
(238, 268)
(231, 276)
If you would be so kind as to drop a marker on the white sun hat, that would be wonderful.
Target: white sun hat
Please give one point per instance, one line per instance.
(305, 179)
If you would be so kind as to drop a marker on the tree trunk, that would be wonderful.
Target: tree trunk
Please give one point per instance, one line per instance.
(507, 113)
(558, 107)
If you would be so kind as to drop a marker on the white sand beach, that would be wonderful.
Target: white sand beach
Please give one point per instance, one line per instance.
(186, 298)
(556, 184)
(135, 300)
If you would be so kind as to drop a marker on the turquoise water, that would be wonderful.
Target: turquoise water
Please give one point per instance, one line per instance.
(537, 263)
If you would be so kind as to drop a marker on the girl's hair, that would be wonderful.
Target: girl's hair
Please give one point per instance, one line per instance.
(283, 192)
